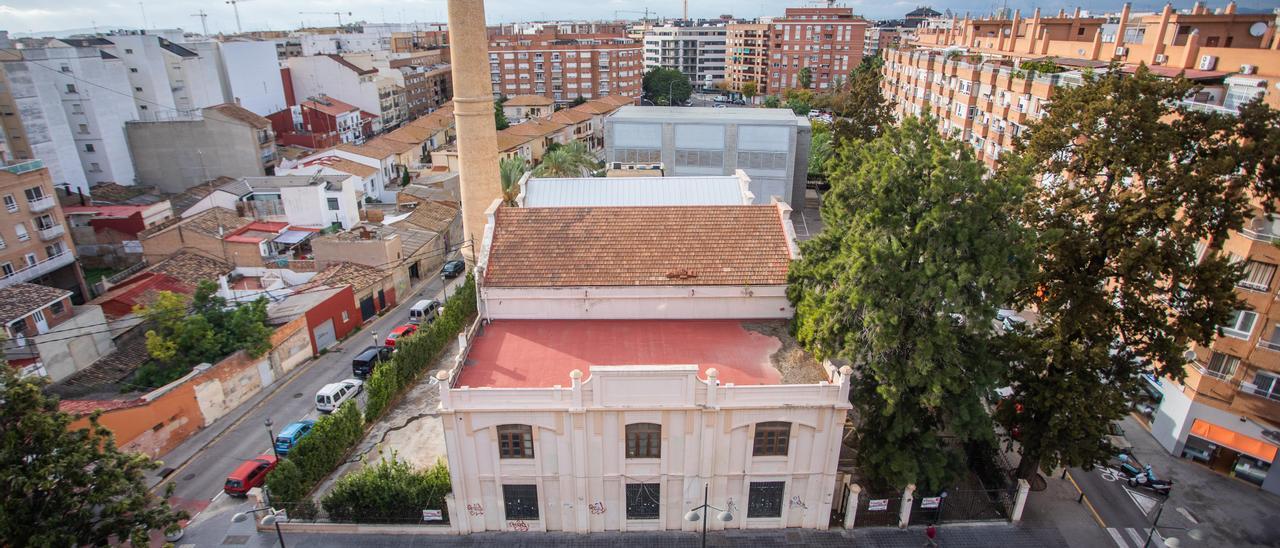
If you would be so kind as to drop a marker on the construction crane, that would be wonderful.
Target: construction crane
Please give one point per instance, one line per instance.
(337, 13)
(235, 7)
(203, 24)
(646, 13)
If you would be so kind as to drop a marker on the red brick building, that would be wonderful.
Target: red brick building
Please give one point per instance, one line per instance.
(827, 41)
(565, 66)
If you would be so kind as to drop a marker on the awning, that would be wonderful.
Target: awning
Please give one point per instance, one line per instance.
(1229, 438)
(290, 237)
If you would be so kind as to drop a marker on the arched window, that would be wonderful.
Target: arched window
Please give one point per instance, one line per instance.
(644, 441)
(515, 441)
(771, 439)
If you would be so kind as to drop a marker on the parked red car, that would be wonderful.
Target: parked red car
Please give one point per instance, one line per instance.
(402, 331)
(250, 474)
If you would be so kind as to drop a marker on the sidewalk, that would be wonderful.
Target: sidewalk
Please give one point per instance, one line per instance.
(1059, 506)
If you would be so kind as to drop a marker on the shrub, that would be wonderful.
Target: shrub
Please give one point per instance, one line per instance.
(316, 455)
(418, 351)
(389, 491)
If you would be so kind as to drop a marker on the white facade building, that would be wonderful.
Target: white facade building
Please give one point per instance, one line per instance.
(698, 52)
(72, 107)
(165, 77)
(338, 44)
(252, 76)
(338, 78)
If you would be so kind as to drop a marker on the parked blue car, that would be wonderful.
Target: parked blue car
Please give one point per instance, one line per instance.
(291, 434)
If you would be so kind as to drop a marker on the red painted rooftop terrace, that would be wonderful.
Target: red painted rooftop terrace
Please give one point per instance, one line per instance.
(541, 353)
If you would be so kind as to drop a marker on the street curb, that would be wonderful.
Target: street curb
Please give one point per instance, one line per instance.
(1085, 500)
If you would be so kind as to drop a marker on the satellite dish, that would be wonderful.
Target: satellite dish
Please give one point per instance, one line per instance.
(1257, 29)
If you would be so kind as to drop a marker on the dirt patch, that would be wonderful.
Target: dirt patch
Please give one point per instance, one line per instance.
(795, 365)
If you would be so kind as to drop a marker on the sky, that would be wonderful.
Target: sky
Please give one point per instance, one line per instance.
(24, 16)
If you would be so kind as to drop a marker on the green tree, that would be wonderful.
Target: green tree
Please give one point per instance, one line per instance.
(390, 491)
(772, 101)
(499, 117)
(820, 150)
(664, 86)
(63, 487)
(577, 101)
(749, 91)
(511, 170)
(805, 78)
(570, 160)
(858, 107)
(915, 247)
(1130, 182)
(206, 330)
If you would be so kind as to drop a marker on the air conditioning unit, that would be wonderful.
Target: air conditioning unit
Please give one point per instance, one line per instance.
(1248, 69)
(1208, 62)
(615, 165)
(1122, 51)
(1161, 58)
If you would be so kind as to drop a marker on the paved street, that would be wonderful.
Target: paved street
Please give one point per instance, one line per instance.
(241, 435)
(1199, 499)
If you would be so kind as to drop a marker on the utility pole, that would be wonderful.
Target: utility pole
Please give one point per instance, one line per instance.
(236, 8)
(143, 9)
(686, 10)
(204, 26)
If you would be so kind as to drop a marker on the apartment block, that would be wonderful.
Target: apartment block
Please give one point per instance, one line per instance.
(828, 42)
(747, 56)
(57, 105)
(35, 246)
(166, 77)
(565, 66)
(336, 77)
(698, 51)
(968, 73)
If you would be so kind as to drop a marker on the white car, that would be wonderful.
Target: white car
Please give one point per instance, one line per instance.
(333, 395)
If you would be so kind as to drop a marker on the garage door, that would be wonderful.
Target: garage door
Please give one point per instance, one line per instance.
(324, 335)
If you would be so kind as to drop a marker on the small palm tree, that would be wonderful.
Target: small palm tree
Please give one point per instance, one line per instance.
(511, 170)
(570, 160)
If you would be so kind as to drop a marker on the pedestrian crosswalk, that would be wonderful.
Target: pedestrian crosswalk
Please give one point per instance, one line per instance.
(1133, 537)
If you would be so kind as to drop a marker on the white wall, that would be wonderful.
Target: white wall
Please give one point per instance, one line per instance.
(216, 198)
(635, 303)
(318, 75)
(580, 466)
(252, 76)
(308, 206)
(1177, 412)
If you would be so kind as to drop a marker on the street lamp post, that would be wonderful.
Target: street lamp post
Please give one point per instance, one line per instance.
(271, 436)
(1172, 542)
(693, 515)
(374, 333)
(270, 519)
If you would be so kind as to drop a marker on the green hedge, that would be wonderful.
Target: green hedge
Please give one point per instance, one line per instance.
(415, 353)
(316, 455)
(389, 492)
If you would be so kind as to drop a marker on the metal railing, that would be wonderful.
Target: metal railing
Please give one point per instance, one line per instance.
(1254, 390)
(43, 203)
(23, 167)
(1259, 235)
(1206, 107)
(1269, 345)
(41, 268)
(1200, 368)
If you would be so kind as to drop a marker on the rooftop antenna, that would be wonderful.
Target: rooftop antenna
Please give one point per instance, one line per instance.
(143, 9)
(686, 10)
(204, 26)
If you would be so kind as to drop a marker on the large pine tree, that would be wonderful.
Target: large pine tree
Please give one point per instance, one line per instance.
(916, 247)
(1127, 182)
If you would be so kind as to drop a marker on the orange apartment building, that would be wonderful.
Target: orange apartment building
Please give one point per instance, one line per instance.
(1226, 413)
(565, 66)
(827, 41)
(35, 245)
(747, 56)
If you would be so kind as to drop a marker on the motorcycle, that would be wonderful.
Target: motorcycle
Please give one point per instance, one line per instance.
(1149, 480)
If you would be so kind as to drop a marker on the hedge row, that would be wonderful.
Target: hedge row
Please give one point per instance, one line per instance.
(415, 353)
(316, 455)
(391, 491)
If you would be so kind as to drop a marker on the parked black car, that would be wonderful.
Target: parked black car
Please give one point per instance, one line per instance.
(364, 363)
(453, 269)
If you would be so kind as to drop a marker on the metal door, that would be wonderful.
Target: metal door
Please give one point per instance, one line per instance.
(324, 335)
(366, 309)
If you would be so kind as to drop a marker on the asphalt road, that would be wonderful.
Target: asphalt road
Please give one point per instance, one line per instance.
(199, 481)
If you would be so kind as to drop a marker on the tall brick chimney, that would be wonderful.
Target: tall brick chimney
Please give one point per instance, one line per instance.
(473, 113)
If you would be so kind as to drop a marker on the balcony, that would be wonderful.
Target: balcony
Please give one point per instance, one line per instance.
(22, 167)
(52, 232)
(39, 269)
(44, 203)
(1210, 108)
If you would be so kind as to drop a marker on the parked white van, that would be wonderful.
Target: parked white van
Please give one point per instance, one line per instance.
(333, 395)
(424, 311)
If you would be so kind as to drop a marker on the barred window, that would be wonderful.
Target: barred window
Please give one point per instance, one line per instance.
(643, 500)
(637, 155)
(644, 441)
(520, 501)
(762, 160)
(515, 441)
(764, 499)
(700, 158)
(771, 439)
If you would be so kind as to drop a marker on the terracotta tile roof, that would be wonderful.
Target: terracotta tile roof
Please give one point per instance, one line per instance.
(355, 168)
(103, 376)
(329, 105)
(358, 276)
(437, 119)
(237, 112)
(209, 221)
(348, 64)
(529, 101)
(410, 135)
(367, 150)
(629, 246)
(619, 100)
(86, 407)
(23, 298)
(432, 215)
(386, 142)
(596, 106)
(189, 197)
(142, 289)
(570, 116)
(191, 268)
(508, 140)
(115, 193)
(536, 127)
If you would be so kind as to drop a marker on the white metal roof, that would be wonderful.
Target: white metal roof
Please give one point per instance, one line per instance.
(635, 191)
